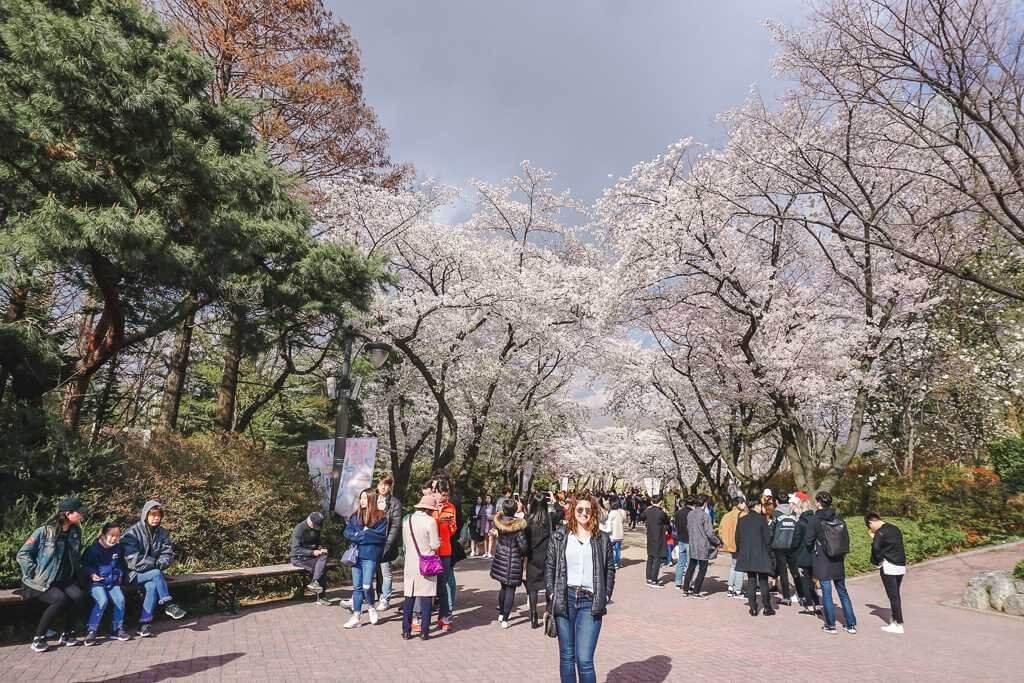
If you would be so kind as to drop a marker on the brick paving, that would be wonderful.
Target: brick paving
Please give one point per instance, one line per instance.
(649, 635)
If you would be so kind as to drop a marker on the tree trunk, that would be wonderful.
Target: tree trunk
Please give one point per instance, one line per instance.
(103, 404)
(227, 394)
(74, 397)
(175, 382)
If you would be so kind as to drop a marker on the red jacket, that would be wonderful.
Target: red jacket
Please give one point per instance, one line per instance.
(445, 528)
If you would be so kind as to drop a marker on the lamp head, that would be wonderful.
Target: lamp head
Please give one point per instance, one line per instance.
(377, 353)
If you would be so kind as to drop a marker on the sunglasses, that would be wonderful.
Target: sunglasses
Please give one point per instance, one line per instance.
(583, 511)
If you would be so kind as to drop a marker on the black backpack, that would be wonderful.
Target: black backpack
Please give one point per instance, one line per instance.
(835, 537)
(784, 533)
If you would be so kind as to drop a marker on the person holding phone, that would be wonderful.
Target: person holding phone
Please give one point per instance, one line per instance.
(309, 553)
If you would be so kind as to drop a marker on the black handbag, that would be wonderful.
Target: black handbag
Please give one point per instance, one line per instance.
(550, 630)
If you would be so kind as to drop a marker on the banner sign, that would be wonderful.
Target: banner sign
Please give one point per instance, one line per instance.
(356, 471)
(652, 485)
(356, 474)
(319, 458)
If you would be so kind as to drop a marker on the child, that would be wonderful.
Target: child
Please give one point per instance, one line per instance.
(510, 549)
(103, 569)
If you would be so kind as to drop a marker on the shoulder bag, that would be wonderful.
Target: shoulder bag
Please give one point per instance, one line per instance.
(430, 565)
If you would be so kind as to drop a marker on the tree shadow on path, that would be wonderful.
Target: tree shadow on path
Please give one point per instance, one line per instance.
(182, 668)
(651, 670)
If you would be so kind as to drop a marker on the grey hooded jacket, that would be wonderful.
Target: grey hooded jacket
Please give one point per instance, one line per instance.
(146, 548)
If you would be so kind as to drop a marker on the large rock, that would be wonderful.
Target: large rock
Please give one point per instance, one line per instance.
(1000, 587)
(1014, 605)
(976, 595)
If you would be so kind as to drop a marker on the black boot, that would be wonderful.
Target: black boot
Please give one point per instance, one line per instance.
(534, 619)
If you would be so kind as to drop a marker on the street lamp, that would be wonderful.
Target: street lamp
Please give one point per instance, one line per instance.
(341, 387)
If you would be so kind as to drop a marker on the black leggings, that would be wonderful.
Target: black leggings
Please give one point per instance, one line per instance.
(700, 575)
(506, 599)
(892, 590)
(64, 596)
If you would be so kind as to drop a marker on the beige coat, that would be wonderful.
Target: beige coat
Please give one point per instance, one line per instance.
(425, 528)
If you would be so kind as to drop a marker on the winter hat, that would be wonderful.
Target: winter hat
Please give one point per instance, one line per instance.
(427, 502)
(73, 505)
(767, 493)
(799, 497)
(316, 519)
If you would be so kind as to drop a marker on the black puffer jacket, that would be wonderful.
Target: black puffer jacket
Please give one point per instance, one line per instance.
(752, 545)
(511, 548)
(555, 573)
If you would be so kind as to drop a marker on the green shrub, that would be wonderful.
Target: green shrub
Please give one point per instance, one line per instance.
(921, 541)
(1018, 571)
(229, 503)
(1008, 460)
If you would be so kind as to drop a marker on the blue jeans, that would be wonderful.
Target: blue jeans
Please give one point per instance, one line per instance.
(102, 596)
(682, 561)
(446, 589)
(156, 592)
(617, 552)
(577, 639)
(844, 601)
(735, 577)
(362, 583)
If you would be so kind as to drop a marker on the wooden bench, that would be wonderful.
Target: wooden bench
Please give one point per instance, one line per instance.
(225, 582)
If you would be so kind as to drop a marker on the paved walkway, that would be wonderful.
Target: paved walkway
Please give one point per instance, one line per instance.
(649, 635)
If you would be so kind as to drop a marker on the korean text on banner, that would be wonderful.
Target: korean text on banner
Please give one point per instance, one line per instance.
(356, 474)
(320, 458)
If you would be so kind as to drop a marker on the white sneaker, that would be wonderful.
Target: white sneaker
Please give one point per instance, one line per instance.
(353, 621)
(505, 624)
(383, 604)
(794, 600)
(893, 628)
(346, 603)
(501, 621)
(373, 615)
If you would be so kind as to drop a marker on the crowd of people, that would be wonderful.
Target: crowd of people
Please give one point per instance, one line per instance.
(566, 545)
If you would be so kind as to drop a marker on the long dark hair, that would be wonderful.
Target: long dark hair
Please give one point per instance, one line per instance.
(538, 516)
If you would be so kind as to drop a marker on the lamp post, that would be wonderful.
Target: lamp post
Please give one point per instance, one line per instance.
(377, 353)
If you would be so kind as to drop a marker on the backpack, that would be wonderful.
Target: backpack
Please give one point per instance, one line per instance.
(835, 537)
(785, 532)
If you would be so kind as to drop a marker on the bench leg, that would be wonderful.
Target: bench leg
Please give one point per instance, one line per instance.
(225, 596)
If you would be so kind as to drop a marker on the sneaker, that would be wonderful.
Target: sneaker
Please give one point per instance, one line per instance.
(314, 587)
(893, 628)
(90, 638)
(738, 596)
(173, 611)
(68, 639)
(445, 624)
(121, 635)
(679, 587)
(373, 615)
(416, 628)
(794, 601)
(699, 596)
(383, 604)
(768, 611)
(323, 602)
(353, 622)
(852, 630)
(145, 631)
(40, 645)
(501, 620)
(831, 630)
(505, 624)
(347, 603)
